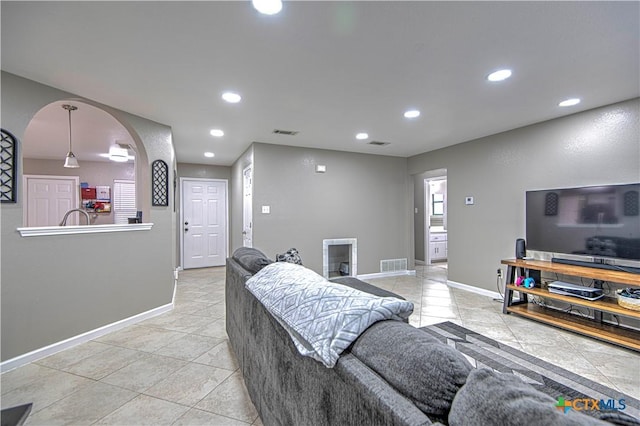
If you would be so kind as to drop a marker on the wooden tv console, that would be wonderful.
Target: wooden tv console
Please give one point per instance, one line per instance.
(593, 327)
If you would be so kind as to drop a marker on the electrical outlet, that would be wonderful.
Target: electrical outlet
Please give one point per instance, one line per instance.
(266, 209)
(468, 201)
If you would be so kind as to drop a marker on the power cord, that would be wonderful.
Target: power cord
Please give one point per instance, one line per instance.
(499, 286)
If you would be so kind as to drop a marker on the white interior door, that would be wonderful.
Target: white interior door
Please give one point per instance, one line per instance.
(247, 206)
(204, 223)
(49, 198)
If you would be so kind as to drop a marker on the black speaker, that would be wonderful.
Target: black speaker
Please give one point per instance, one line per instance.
(521, 248)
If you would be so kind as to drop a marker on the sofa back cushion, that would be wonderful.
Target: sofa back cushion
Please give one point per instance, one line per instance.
(251, 259)
(504, 399)
(415, 363)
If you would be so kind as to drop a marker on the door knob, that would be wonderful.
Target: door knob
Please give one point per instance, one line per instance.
(186, 229)
(186, 223)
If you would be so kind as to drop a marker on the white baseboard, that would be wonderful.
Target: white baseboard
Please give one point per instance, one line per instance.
(420, 262)
(37, 354)
(473, 289)
(387, 274)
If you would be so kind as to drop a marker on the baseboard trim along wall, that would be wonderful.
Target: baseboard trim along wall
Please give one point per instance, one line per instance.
(473, 289)
(387, 274)
(46, 351)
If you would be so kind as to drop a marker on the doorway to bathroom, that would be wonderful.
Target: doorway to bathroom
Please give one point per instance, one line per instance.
(435, 208)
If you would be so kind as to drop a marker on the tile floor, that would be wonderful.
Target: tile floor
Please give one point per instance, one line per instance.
(177, 368)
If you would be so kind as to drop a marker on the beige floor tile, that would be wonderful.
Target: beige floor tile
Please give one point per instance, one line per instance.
(480, 316)
(23, 376)
(427, 320)
(64, 359)
(83, 408)
(145, 410)
(144, 373)
(147, 339)
(190, 384)
(106, 362)
(214, 311)
(230, 399)
(195, 417)
(440, 311)
(189, 307)
(55, 386)
(220, 356)
(184, 323)
(189, 347)
(215, 328)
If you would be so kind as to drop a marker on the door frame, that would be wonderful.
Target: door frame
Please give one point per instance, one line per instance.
(427, 215)
(25, 191)
(181, 223)
(247, 212)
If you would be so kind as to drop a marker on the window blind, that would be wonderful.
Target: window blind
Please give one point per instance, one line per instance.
(124, 200)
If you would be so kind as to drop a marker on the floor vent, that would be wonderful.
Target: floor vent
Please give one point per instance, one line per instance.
(393, 265)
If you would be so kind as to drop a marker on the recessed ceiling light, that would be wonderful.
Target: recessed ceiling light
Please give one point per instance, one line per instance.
(209, 154)
(216, 132)
(412, 113)
(231, 97)
(362, 136)
(569, 102)
(499, 75)
(267, 7)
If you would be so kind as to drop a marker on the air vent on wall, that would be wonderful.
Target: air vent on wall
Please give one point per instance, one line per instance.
(378, 143)
(393, 265)
(285, 132)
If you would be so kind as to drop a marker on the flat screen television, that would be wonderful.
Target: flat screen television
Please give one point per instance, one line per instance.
(597, 221)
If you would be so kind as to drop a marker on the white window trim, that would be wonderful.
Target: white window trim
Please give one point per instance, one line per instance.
(83, 229)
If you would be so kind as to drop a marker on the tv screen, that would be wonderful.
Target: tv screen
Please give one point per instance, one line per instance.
(597, 221)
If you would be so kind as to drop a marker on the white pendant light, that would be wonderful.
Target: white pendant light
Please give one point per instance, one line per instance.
(70, 161)
(118, 154)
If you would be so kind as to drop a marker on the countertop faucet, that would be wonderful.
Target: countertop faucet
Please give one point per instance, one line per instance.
(64, 219)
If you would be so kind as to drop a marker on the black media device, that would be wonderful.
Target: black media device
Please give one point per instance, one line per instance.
(521, 248)
(601, 222)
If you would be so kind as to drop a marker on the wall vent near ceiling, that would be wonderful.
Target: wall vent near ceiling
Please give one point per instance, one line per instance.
(378, 143)
(285, 132)
(393, 265)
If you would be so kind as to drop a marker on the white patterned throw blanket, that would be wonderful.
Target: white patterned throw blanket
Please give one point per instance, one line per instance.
(322, 318)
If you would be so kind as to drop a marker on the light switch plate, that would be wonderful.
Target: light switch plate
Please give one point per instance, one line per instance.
(266, 209)
(468, 201)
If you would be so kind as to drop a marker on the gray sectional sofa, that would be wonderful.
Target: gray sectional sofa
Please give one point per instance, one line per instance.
(393, 374)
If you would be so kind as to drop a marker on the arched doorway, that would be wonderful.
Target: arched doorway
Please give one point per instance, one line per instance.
(104, 188)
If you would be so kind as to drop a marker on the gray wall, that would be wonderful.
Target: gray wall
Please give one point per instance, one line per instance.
(360, 196)
(199, 171)
(57, 287)
(92, 172)
(599, 146)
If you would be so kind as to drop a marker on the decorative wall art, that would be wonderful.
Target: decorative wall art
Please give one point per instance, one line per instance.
(8, 147)
(160, 183)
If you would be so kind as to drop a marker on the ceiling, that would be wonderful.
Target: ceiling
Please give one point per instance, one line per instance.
(93, 132)
(328, 69)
